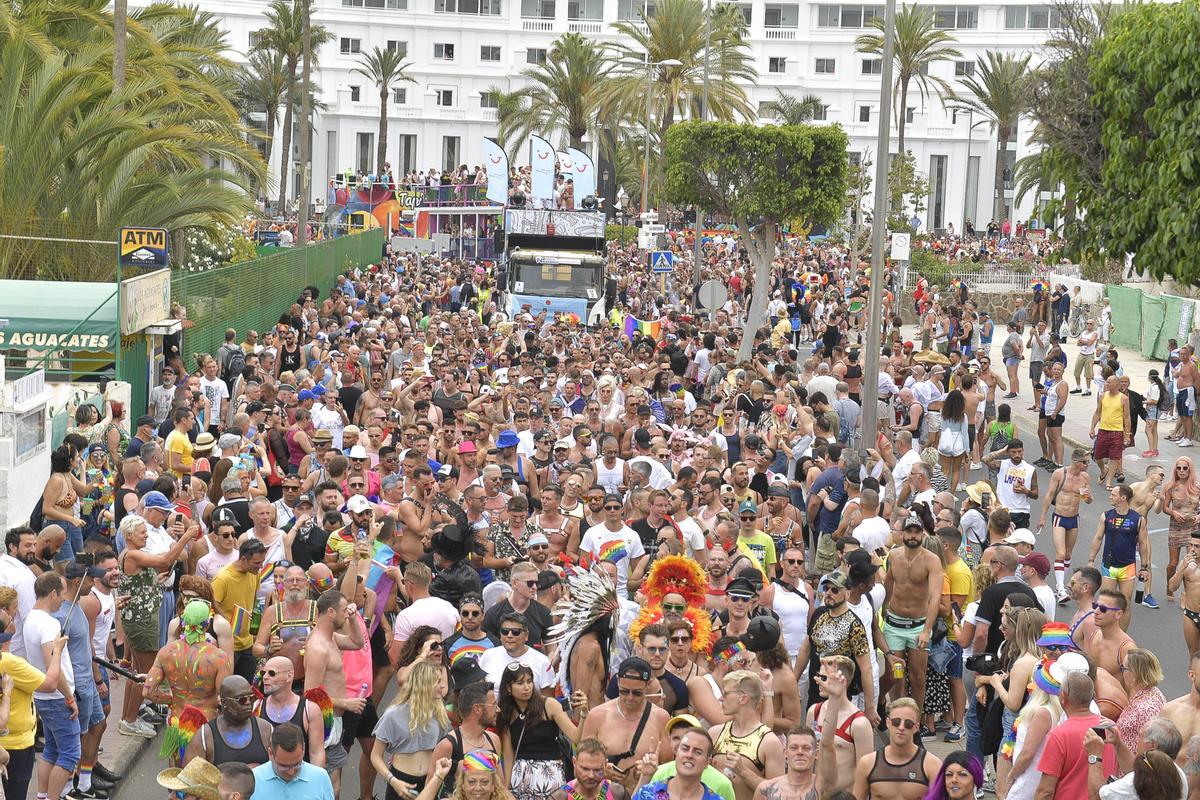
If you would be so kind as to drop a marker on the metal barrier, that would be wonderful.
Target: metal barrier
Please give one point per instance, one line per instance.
(252, 294)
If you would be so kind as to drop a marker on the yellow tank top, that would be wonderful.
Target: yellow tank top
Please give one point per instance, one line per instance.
(742, 745)
(1111, 416)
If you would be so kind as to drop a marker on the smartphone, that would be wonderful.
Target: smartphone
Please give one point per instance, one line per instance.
(956, 610)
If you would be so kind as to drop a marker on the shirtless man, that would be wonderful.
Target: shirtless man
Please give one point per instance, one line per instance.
(616, 722)
(336, 629)
(1185, 713)
(746, 751)
(561, 530)
(973, 395)
(1185, 395)
(1082, 588)
(801, 781)
(991, 381)
(844, 732)
(369, 400)
(1187, 575)
(901, 769)
(914, 592)
(717, 567)
(1068, 487)
(1107, 648)
(415, 515)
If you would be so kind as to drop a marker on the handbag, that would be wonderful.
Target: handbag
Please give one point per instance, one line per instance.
(951, 442)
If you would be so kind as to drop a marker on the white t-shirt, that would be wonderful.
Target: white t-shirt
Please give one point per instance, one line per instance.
(904, 465)
(873, 533)
(1122, 788)
(213, 562)
(693, 536)
(660, 476)
(1045, 596)
(622, 547)
(41, 628)
(427, 611)
(1008, 475)
(495, 659)
(217, 392)
(17, 575)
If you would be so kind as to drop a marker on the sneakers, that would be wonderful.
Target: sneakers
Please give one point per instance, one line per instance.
(962, 487)
(976, 465)
(150, 715)
(1184, 443)
(955, 734)
(1149, 602)
(104, 772)
(87, 794)
(138, 727)
(1076, 391)
(1063, 598)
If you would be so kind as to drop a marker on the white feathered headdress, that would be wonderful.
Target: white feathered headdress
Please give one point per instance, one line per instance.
(592, 597)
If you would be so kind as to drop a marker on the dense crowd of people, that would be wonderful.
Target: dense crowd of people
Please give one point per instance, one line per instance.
(526, 558)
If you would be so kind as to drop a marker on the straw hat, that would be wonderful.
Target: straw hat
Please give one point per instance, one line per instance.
(199, 779)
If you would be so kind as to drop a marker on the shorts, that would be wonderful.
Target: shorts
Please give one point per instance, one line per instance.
(91, 710)
(1053, 422)
(902, 633)
(1066, 523)
(1035, 370)
(1120, 574)
(1012, 362)
(954, 669)
(104, 698)
(1109, 444)
(1020, 519)
(357, 726)
(1151, 413)
(336, 756)
(932, 421)
(62, 748)
(1185, 402)
(989, 409)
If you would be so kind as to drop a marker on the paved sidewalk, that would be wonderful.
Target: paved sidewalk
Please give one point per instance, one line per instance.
(120, 753)
(1079, 409)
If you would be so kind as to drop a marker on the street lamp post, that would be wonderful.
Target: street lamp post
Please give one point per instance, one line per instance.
(967, 171)
(870, 387)
(650, 65)
(696, 274)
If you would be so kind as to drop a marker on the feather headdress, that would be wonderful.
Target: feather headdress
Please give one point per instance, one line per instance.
(677, 574)
(592, 598)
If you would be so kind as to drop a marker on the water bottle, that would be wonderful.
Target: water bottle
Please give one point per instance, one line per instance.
(1141, 588)
(898, 669)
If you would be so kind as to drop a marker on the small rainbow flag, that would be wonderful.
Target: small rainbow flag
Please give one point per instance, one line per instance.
(613, 551)
(268, 569)
(635, 326)
(240, 622)
(469, 651)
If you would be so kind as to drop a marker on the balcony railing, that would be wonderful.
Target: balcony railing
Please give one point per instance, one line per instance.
(780, 33)
(537, 24)
(585, 26)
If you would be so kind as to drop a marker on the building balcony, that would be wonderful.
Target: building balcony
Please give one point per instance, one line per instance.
(593, 26)
(452, 113)
(939, 132)
(780, 33)
(537, 24)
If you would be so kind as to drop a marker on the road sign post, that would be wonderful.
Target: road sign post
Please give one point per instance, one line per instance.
(662, 261)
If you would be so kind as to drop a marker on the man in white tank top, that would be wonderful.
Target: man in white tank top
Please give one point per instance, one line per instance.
(1016, 481)
(100, 608)
(791, 599)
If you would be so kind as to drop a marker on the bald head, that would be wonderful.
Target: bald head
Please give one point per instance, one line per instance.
(233, 686)
(278, 664)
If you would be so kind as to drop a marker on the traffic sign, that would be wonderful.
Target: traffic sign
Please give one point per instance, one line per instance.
(144, 247)
(713, 294)
(662, 261)
(901, 244)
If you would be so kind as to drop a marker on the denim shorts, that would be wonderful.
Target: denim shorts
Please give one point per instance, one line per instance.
(91, 710)
(62, 747)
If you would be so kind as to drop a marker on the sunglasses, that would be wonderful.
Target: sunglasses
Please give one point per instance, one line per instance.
(612, 508)
(531, 584)
(226, 535)
(357, 485)
(821, 677)
(681, 639)
(1102, 607)
(794, 561)
(675, 608)
(511, 631)
(243, 699)
(539, 547)
(907, 724)
(471, 614)
(272, 673)
(741, 598)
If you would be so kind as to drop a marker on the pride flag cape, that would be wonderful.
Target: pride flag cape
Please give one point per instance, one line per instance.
(635, 326)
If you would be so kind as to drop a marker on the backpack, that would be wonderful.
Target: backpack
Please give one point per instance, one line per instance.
(1001, 437)
(233, 361)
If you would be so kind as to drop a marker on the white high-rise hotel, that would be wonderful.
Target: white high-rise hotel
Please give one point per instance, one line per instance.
(460, 48)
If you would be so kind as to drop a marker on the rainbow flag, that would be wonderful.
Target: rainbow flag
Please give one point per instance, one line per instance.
(469, 651)
(240, 622)
(635, 326)
(613, 551)
(268, 569)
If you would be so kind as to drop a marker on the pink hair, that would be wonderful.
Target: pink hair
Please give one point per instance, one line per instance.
(1193, 484)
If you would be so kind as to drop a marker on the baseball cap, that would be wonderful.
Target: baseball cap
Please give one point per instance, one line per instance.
(562, 444)
(682, 719)
(537, 538)
(1037, 561)
(636, 668)
(305, 498)
(358, 504)
(145, 419)
(913, 521)
(836, 578)
(762, 634)
(306, 394)
(642, 437)
(447, 471)
(1021, 536)
(748, 507)
(547, 579)
(158, 500)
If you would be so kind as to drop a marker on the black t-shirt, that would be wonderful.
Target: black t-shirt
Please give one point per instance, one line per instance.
(648, 534)
(678, 688)
(349, 397)
(537, 616)
(990, 604)
(308, 547)
(449, 404)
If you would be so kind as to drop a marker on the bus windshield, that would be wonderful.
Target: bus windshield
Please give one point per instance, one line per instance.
(565, 276)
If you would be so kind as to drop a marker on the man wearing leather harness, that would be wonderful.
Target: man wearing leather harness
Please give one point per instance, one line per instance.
(901, 769)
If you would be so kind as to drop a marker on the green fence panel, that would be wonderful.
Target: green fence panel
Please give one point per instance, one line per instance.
(251, 295)
(134, 372)
(1127, 315)
(1154, 343)
(1153, 316)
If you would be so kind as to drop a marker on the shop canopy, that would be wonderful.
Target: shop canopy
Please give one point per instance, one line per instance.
(43, 315)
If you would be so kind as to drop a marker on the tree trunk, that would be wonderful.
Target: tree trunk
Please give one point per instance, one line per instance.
(285, 154)
(120, 43)
(577, 139)
(760, 246)
(305, 128)
(1002, 137)
(381, 151)
(902, 117)
(269, 139)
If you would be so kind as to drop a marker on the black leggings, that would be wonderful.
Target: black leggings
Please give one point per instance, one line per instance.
(418, 781)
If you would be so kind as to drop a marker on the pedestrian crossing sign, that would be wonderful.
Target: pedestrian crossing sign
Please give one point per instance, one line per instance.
(662, 261)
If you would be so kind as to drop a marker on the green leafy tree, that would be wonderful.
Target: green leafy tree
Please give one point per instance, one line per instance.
(677, 32)
(563, 95)
(1000, 92)
(284, 35)
(758, 177)
(384, 68)
(918, 44)
(907, 191)
(791, 110)
(262, 88)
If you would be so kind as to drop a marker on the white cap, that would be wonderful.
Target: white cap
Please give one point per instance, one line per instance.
(358, 504)
(1021, 536)
(358, 451)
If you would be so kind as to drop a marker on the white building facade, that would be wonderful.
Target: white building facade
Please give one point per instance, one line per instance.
(458, 49)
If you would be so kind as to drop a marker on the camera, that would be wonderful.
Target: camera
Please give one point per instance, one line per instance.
(984, 663)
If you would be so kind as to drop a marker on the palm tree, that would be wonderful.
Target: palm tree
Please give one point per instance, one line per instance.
(1000, 92)
(284, 35)
(677, 32)
(563, 97)
(790, 110)
(262, 88)
(384, 68)
(918, 43)
(508, 107)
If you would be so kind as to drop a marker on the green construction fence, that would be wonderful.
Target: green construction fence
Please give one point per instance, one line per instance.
(1147, 322)
(252, 294)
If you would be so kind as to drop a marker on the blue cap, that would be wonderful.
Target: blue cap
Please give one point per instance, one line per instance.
(158, 500)
(318, 390)
(306, 394)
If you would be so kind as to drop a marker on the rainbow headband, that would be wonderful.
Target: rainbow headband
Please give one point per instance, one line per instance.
(1044, 679)
(479, 761)
(729, 653)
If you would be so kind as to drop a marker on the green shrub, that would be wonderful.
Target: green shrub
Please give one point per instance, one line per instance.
(622, 234)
